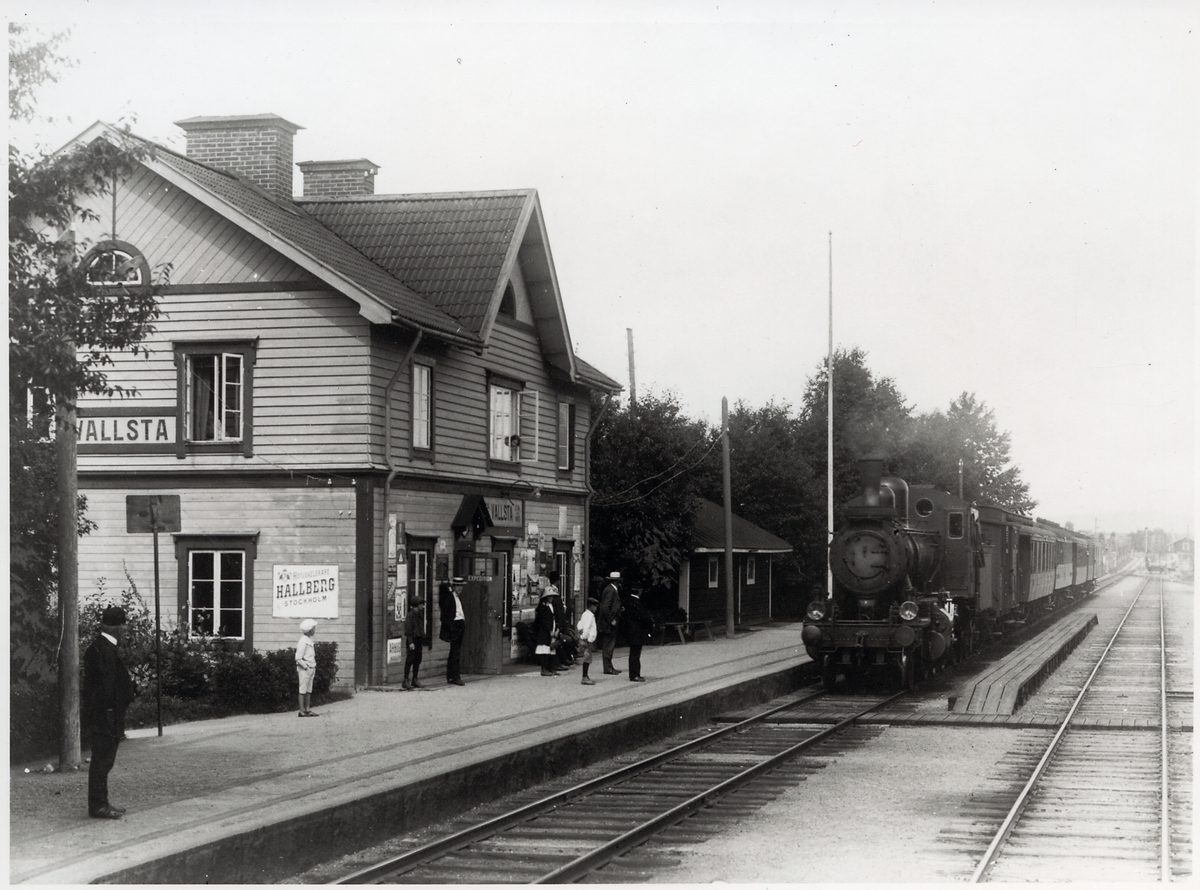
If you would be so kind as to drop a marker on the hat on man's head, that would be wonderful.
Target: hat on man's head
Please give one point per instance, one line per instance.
(458, 580)
(113, 616)
(306, 625)
(614, 576)
(592, 601)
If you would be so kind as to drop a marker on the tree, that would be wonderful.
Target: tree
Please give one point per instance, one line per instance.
(966, 431)
(647, 463)
(62, 329)
(869, 419)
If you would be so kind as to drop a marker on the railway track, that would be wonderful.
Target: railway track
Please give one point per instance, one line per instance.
(1098, 803)
(592, 830)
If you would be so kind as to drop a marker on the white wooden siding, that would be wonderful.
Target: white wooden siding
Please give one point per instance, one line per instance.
(296, 526)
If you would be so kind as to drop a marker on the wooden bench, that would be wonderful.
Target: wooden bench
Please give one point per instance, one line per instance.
(683, 630)
(1009, 683)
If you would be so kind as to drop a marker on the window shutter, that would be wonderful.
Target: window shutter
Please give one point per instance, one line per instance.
(529, 409)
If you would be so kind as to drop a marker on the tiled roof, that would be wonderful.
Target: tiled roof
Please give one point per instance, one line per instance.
(306, 233)
(448, 247)
(591, 376)
(709, 532)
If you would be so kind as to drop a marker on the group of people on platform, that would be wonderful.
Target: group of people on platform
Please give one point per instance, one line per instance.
(108, 689)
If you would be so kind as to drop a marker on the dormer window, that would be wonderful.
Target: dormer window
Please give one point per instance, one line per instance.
(116, 264)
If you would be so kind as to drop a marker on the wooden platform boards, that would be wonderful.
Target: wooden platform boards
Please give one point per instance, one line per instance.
(1008, 683)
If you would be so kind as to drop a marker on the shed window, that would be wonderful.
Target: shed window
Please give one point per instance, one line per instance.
(714, 571)
(750, 569)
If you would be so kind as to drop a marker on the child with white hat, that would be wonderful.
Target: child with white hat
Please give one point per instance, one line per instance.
(306, 665)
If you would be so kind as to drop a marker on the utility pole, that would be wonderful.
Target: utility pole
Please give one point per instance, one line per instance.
(829, 436)
(632, 377)
(725, 484)
(68, 581)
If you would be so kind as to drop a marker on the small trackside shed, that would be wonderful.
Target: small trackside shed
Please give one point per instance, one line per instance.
(702, 578)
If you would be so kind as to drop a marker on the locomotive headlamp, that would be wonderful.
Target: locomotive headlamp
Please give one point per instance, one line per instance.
(816, 610)
(908, 610)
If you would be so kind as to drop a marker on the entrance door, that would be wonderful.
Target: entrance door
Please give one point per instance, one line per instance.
(483, 603)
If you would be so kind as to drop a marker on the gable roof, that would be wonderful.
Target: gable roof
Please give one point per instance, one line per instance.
(438, 263)
(708, 534)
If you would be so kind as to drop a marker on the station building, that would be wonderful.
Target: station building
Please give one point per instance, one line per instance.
(352, 396)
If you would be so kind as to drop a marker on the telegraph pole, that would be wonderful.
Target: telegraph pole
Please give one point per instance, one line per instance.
(69, 756)
(729, 598)
(829, 435)
(632, 377)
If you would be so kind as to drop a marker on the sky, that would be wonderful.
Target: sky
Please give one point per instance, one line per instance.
(1000, 196)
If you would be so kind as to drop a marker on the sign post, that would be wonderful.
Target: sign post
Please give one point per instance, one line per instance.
(154, 513)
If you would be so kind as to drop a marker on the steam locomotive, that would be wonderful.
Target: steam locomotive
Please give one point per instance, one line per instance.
(922, 578)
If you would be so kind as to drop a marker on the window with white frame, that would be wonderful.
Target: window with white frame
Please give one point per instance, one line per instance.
(215, 391)
(217, 593)
(714, 572)
(422, 406)
(566, 436)
(504, 428)
(750, 569)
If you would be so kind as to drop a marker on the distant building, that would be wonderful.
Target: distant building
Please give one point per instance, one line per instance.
(354, 397)
(702, 578)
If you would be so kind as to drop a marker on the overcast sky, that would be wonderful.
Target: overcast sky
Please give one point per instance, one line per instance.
(1010, 187)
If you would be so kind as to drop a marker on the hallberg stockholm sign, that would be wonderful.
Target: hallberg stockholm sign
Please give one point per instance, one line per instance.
(126, 430)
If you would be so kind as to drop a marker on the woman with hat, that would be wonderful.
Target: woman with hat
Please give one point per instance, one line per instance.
(306, 665)
(545, 629)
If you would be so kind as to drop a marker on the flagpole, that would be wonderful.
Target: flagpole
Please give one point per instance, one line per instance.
(829, 435)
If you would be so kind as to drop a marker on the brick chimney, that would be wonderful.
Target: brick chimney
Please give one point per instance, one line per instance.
(338, 179)
(256, 147)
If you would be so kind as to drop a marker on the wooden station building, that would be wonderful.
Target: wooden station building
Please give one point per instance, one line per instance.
(353, 396)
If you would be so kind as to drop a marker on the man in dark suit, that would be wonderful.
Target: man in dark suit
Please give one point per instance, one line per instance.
(638, 629)
(107, 692)
(607, 619)
(454, 625)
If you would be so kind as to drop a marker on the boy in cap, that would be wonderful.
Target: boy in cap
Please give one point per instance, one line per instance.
(587, 637)
(107, 692)
(414, 640)
(306, 665)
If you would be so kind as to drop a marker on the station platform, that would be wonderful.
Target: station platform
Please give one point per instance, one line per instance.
(256, 798)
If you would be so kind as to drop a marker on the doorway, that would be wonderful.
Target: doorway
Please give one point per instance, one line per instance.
(483, 601)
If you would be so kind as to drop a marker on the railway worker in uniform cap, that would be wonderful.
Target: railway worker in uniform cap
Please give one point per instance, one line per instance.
(608, 617)
(306, 665)
(454, 626)
(639, 627)
(107, 692)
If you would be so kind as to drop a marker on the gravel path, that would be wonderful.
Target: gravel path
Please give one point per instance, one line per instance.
(804, 835)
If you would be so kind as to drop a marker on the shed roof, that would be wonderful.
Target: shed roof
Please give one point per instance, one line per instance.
(708, 535)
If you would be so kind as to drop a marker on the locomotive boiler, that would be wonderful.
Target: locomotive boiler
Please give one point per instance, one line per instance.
(922, 578)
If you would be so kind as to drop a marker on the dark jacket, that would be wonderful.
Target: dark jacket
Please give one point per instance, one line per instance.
(543, 624)
(449, 631)
(610, 609)
(414, 625)
(107, 689)
(638, 623)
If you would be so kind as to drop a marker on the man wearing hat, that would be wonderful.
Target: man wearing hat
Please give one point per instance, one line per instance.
(607, 618)
(454, 625)
(107, 692)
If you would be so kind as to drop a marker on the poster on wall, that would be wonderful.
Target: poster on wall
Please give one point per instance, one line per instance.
(395, 651)
(305, 592)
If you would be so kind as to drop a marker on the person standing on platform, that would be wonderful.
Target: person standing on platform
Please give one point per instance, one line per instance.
(567, 649)
(608, 618)
(545, 629)
(414, 641)
(306, 665)
(586, 630)
(638, 629)
(454, 625)
(107, 692)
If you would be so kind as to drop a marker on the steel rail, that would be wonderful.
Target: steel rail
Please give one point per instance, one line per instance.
(1010, 821)
(583, 865)
(406, 862)
(1165, 815)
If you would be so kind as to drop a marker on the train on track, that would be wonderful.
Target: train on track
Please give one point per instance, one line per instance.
(922, 578)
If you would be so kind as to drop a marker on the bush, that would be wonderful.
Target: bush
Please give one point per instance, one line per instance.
(268, 682)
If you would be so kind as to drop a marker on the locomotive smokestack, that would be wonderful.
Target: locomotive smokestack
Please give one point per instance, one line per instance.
(870, 472)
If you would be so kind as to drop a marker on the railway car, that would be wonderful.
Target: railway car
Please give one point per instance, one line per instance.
(922, 578)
